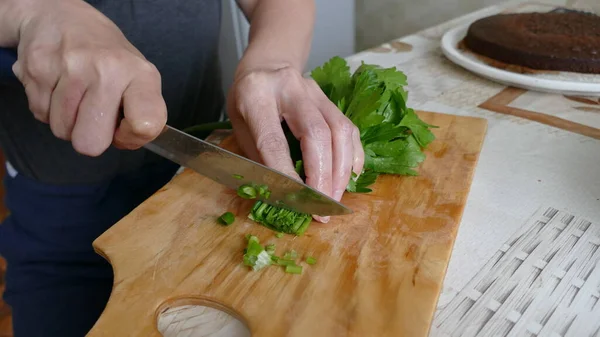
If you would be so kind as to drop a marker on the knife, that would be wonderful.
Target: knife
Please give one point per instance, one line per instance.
(222, 166)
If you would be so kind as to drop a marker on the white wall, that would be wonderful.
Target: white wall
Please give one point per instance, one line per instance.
(333, 35)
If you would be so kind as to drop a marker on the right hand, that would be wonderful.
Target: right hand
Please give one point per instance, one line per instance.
(78, 69)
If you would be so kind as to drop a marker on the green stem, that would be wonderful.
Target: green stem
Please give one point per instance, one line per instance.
(203, 130)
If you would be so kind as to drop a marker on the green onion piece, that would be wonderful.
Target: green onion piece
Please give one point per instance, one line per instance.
(237, 176)
(250, 260)
(263, 190)
(280, 219)
(263, 259)
(247, 192)
(227, 218)
(254, 247)
(279, 235)
(267, 195)
(293, 269)
(270, 249)
(286, 262)
(275, 259)
(311, 260)
(291, 255)
(255, 255)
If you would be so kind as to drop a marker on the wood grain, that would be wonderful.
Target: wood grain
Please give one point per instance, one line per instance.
(379, 270)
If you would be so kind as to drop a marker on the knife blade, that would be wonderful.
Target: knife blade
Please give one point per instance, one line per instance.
(233, 171)
(222, 166)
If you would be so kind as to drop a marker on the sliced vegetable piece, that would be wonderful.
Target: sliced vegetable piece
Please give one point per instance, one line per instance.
(227, 218)
(293, 269)
(263, 260)
(256, 256)
(247, 192)
(280, 219)
(291, 255)
(238, 176)
(263, 190)
(311, 260)
(279, 235)
(285, 262)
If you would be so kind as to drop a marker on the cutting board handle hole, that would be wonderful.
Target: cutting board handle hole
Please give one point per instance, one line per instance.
(209, 318)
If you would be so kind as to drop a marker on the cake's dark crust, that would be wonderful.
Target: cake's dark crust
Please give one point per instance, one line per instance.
(541, 41)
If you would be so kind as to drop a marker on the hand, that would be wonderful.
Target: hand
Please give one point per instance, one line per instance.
(78, 69)
(330, 142)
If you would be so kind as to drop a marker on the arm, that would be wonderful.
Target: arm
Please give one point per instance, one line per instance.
(280, 33)
(269, 87)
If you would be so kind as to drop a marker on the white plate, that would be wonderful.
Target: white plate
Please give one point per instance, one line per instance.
(565, 83)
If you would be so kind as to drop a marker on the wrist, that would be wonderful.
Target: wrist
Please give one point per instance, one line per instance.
(246, 67)
(264, 57)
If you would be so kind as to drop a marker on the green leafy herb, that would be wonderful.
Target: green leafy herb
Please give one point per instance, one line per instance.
(374, 99)
(334, 78)
(359, 184)
(227, 218)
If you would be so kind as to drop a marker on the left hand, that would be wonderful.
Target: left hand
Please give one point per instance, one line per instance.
(261, 99)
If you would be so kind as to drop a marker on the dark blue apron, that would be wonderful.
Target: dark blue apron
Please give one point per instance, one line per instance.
(56, 284)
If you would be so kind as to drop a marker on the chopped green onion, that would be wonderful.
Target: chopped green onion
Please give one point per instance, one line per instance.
(262, 190)
(254, 247)
(247, 192)
(311, 260)
(227, 218)
(256, 256)
(285, 262)
(291, 255)
(279, 235)
(263, 260)
(270, 249)
(237, 176)
(293, 269)
(280, 219)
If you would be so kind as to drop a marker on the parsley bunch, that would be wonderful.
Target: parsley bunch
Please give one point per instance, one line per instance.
(374, 99)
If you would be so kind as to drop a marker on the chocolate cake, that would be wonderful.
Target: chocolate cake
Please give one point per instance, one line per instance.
(560, 41)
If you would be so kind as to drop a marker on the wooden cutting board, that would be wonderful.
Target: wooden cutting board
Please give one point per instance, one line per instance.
(379, 270)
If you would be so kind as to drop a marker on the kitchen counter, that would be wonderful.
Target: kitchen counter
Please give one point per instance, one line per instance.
(531, 177)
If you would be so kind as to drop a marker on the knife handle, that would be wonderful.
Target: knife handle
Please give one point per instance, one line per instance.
(8, 57)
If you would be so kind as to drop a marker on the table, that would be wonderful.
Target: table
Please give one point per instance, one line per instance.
(534, 176)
